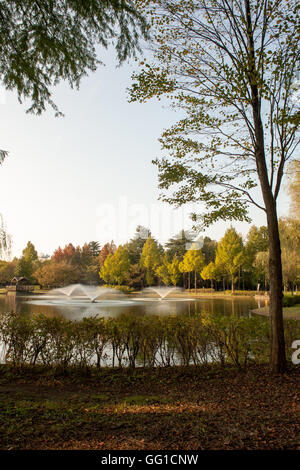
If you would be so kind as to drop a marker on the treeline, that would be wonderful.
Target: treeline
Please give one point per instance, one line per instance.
(146, 341)
(233, 262)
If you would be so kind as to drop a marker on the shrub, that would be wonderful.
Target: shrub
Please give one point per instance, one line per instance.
(146, 340)
(290, 300)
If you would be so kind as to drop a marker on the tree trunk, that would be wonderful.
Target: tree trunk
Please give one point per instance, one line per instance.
(277, 353)
(232, 285)
(195, 282)
(277, 346)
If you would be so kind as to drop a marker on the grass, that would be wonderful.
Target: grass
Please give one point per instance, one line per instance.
(288, 312)
(218, 294)
(173, 408)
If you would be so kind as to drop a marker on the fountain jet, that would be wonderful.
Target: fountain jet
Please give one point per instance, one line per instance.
(92, 292)
(163, 292)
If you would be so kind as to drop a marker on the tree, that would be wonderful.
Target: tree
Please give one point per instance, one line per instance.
(58, 255)
(162, 271)
(177, 245)
(257, 241)
(56, 40)
(5, 239)
(185, 269)
(229, 65)
(135, 277)
(150, 259)
(7, 271)
(94, 248)
(193, 261)
(209, 249)
(229, 256)
(121, 264)
(174, 271)
(290, 242)
(69, 252)
(209, 273)
(45, 42)
(30, 252)
(51, 274)
(90, 275)
(106, 270)
(135, 245)
(294, 188)
(108, 249)
(261, 263)
(28, 263)
(116, 266)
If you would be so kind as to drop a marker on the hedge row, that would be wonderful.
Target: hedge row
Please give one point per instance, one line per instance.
(290, 300)
(129, 340)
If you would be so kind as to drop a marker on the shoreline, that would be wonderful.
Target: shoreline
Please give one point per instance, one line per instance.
(289, 313)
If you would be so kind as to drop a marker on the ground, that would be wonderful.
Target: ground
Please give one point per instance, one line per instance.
(288, 312)
(172, 408)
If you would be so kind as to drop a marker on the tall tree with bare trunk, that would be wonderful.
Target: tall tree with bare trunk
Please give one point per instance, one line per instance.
(229, 67)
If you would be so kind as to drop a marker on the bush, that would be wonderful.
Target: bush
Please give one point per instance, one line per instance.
(131, 340)
(123, 289)
(290, 300)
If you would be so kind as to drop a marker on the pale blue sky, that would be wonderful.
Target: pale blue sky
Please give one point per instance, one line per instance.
(88, 176)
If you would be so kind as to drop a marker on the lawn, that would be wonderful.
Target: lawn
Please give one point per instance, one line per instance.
(170, 408)
(288, 312)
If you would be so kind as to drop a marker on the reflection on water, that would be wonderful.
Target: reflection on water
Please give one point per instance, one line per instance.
(77, 308)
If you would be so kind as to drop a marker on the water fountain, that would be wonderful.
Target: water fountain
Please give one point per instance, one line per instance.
(76, 301)
(79, 290)
(162, 292)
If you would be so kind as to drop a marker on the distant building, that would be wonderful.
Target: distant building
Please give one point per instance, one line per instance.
(19, 284)
(43, 257)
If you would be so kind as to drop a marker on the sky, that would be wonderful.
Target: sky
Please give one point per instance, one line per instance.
(89, 175)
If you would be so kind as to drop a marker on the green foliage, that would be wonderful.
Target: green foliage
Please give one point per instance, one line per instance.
(209, 250)
(229, 68)
(116, 266)
(162, 271)
(135, 245)
(290, 300)
(135, 277)
(7, 271)
(229, 256)
(125, 289)
(28, 263)
(169, 272)
(294, 188)
(174, 271)
(133, 340)
(57, 40)
(290, 245)
(177, 245)
(209, 272)
(150, 259)
(94, 248)
(192, 261)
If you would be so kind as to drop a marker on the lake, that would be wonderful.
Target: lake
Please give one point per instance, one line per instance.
(77, 307)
